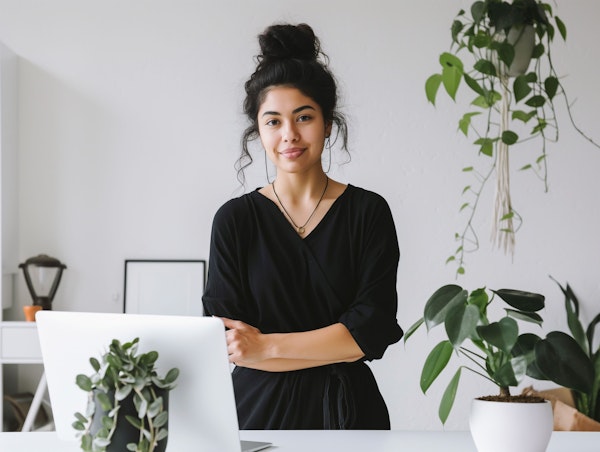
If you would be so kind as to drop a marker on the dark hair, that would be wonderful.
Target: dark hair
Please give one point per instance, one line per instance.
(290, 56)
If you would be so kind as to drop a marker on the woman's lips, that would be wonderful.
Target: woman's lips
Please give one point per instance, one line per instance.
(292, 153)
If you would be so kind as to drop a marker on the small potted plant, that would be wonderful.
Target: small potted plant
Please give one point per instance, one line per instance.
(497, 352)
(573, 361)
(127, 401)
(502, 52)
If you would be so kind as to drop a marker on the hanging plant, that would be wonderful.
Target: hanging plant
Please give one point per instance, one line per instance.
(515, 85)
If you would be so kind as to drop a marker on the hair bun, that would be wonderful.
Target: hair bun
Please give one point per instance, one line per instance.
(289, 41)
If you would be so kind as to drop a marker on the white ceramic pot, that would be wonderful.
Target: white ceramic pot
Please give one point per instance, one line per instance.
(523, 40)
(511, 427)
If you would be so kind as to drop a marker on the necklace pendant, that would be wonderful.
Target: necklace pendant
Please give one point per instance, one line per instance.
(301, 230)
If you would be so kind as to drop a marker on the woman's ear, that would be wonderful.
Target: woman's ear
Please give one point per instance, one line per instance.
(328, 126)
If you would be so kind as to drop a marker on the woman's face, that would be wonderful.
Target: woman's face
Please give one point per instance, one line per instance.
(292, 130)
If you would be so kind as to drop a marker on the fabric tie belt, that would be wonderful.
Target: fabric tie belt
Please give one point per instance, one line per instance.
(339, 408)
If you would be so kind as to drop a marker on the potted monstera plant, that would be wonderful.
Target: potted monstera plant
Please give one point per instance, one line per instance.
(127, 401)
(494, 350)
(573, 362)
(501, 52)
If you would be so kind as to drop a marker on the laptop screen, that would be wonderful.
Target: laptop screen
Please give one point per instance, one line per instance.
(202, 413)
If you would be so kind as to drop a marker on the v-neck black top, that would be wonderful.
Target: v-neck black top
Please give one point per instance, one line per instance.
(263, 273)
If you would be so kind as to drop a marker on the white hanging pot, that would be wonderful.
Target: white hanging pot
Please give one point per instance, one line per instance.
(511, 426)
(523, 40)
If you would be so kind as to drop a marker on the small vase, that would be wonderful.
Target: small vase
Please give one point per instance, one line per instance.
(30, 311)
(511, 426)
(126, 433)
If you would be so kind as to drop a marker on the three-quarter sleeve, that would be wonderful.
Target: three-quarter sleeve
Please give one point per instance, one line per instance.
(371, 317)
(223, 295)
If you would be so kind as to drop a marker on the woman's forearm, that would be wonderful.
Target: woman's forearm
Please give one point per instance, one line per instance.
(333, 343)
(248, 347)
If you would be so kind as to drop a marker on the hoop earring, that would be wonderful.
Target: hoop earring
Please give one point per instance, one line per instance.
(328, 147)
(267, 168)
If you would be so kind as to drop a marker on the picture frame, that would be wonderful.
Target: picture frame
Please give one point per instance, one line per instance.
(164, 286)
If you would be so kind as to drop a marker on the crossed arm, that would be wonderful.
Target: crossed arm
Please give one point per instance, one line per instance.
(281, 352)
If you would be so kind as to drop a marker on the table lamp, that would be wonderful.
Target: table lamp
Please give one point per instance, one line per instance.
(42, 275)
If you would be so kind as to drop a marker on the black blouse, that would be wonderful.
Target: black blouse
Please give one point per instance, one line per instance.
(263, 273)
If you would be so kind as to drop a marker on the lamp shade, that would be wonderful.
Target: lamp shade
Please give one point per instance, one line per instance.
(42, 275)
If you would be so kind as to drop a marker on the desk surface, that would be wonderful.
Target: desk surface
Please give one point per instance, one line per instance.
(348, 441)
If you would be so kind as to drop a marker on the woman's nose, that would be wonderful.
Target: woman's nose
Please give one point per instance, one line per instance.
(290, 132)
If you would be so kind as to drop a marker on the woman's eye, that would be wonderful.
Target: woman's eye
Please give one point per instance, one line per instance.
(304, 118)
(272, 122)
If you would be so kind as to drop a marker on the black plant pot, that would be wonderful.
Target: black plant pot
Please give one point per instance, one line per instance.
(126, 433)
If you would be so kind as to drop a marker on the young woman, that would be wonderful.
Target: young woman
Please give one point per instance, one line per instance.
(303, 270)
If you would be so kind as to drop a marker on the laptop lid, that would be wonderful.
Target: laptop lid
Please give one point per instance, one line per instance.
(202, 413)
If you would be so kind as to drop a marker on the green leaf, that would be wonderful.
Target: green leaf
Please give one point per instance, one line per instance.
(137, 423)
(461, 323)
(161, 419)
(523, 116)
(451, 77)
(155, 407)
(590, 335)
(479, 298)
(84, 382)
(551, 85)
(486, 67)
(95, 364)
(572, 310)
(448, 397)
(455, 29)
(478, 9)
(488, 100)
(172, 375)
(473, 84)
(465, 122)
(540, 126)
(521, 300)
(431, 87)
(536, 101)
(162, 434)
(467, 169)
(105, 401)
(562, 361)
(562, 29)
(123, 392)
(415, 326)
(521, 88)
(506, 53)
(509, 137)
(79, 426)
(526, 316)
(86, 442)
(538, 51)
(502, 335)
(443, 300)
(434, 364)
(486, 146)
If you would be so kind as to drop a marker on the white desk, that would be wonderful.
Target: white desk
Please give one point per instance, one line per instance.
(317, 441)
(19, 344)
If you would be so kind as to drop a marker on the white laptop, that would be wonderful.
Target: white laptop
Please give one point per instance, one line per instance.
(202, 413)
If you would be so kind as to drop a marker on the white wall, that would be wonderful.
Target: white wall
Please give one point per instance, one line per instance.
(130, 121)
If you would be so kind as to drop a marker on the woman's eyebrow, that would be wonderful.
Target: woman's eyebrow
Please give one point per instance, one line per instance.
(297, 110)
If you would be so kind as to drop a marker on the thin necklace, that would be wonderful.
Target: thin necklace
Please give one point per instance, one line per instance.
(300, 229)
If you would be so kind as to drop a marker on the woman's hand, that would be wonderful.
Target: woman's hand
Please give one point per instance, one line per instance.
(245, 343)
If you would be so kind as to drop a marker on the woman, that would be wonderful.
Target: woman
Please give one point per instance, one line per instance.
(303, 270)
